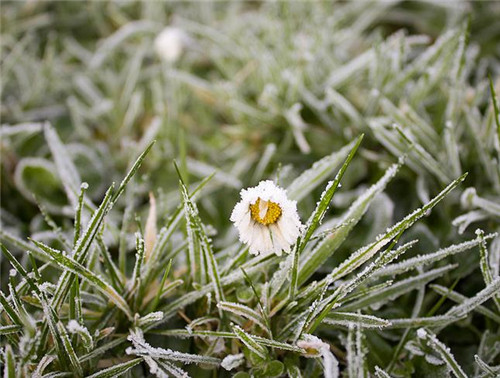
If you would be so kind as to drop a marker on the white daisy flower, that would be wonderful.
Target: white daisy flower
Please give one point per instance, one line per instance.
(266, 219)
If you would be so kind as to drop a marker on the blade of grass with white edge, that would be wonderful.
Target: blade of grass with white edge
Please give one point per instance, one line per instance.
(244, 311)
(277, 344)
(213, 270)
(361, 292)
(491, 371)
(74, 327)
(321, 307)
(262, 308)
(255, 264)
(142, 348)
(9, 362)
(73, 358)
(139, 259)
(317, 216)
(459, 298)
(310, 261)
(26, 319)
(6, 330)
(52, 320)
(445, 353)
(81, 249)
(114, 273)
(184, 333)
(195, 256)
(429, 258)
(19, 268)
(167, 368)
(396, 290)
(319, 172)
(361, 320)
(171, 286)
(364, 254)
(11, 312)
(326, 197)
(430, 321)
(103, 349)
(379, 373)
(116, 370)
(166, 232)
(152, 317)
(78, 215)
(250, 343)
(73, 266)
(44, 362)
(131, 172)
(421, 156)
(466, 305)
(485, 266)
(496, 115)
(17, 311)
(14, 241)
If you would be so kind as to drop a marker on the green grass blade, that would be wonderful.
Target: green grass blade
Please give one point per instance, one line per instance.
(361, 320)
(324, 202)
(310, 261)
(131, 172)
(250, 343)
(402, 287)
(445, 353)
(319, 172)
(116, 370)
(70, 352)
(243, 311)
(69, 264)
(5, 330)
(364, 254)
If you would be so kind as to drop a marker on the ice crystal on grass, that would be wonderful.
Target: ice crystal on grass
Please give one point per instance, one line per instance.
(142, 348)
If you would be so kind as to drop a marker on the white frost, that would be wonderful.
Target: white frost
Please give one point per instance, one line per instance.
(232, 361)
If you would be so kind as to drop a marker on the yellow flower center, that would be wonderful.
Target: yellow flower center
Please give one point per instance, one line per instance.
(265, 212)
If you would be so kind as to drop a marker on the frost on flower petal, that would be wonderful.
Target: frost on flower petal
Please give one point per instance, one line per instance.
(266, 219)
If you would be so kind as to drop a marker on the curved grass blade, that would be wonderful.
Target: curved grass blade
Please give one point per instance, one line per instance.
(116, 370)
(445, 353)
(73, 266)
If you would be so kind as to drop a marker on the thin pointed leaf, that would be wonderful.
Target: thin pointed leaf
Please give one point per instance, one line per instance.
(244, 311)
(70, 352)
(116, 370)
(324, 202)
(73, 266)
(250, 343)
(443, 351)
(310, 261)
(361, 320)
(131, 172)
(320, 171)
(399, 288)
